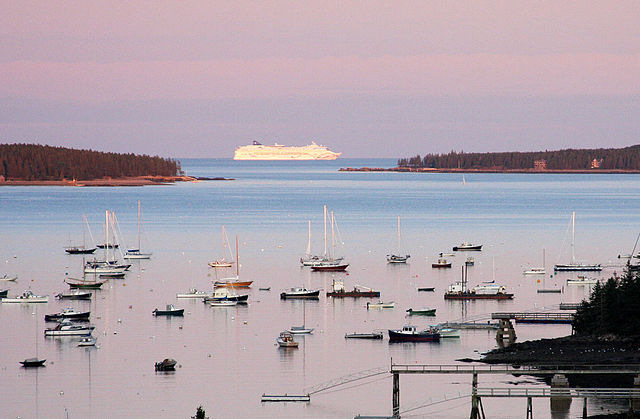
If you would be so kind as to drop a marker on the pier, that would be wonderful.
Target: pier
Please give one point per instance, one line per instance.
(559, 392)
(546, 318)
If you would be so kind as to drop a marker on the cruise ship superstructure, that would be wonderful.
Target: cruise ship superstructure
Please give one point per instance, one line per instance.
(258, 151)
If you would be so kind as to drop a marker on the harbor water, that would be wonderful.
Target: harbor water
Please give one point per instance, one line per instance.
(227, 356)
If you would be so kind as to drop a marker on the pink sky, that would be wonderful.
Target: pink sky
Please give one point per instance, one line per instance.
(219, 74)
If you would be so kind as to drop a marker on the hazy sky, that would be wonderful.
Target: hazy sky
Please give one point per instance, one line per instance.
(368, 78)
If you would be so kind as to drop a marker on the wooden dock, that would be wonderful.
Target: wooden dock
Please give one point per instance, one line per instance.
(541, 318)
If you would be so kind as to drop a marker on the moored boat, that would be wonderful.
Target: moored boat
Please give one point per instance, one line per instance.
(372, 335)
(84, 283)
(299, 292)
(66, 328)
(582, 280)
(330, 267)
(4, 293)
(573, 265)
(467, 246)
(481, 292)
(381, 304)
(226, 294)
(87, 341)
(285, 340)
(169, 310)
(441, 263)
(358, 291)
(193, 293)
(33, 362)
(232, 283)
(166, 364)
(425, 311)
(7, 277)
(74, 295)
(68, 313)
(410, 333)
(27, 297)
(470, 261)
(79, 250)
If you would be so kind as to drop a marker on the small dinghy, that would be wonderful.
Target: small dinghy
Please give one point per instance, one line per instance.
(170, 310)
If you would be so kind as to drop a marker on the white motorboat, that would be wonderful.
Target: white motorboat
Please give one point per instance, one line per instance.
(67, 328)
(27, 297)
(7, 277)
(193, 293)
(285, 340)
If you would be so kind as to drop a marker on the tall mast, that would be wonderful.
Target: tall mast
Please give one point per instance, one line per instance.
(106, 236)
(573, 237)
(139, 220)
(325, 231)
(398, 235)
(309, 242)
(237, 259)
(333, 237)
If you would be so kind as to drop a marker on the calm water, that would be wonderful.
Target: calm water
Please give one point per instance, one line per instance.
(227, 356)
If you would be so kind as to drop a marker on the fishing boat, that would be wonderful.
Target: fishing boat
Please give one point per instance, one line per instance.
(27, 297)
(486, 291)
(338, 291)
(573, 265)
(285, 340)
(87, 341)
(441, 263)
(299, 292)
(166, 364)
(372, 335)
(33, 362)
(410, 333)
(193, 293)
(537, 271)
(223, 262)
(68, 313)
(7, 277)
(398, 258)
(467, 246)
(234, 282)
(82, 249)
(426, 311)
(226, 294)
(66, 328)
(137, 253)
(169, 310)
(381, 304)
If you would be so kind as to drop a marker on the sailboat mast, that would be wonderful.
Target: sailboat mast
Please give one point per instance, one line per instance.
(325, 231)
(237, 259)
(333, 237)
(139, 220)
(398, 235)
(573, 237)
(309, 241)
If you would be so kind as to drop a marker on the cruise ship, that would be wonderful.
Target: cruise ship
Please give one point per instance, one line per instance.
(258, 151)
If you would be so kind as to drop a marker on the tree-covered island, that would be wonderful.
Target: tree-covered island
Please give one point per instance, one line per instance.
(43, 164)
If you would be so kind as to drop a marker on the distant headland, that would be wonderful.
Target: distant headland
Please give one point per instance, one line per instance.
(601, 160)
(34, 164)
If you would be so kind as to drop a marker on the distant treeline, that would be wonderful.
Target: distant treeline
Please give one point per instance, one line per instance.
(43, 162)
(611, 309)
(627, 158)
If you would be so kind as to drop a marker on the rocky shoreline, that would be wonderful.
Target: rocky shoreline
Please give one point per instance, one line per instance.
(404, 169)
(585, 350)
(105, 182)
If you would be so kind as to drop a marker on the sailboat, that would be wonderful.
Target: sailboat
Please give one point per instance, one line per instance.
(222, 262)
(106, 266)
(35, 361)
(83, 249)
(537, 271)
(573, 266)
(300, 330)
(330, 263)
(234, 282)
(319, 260)
(393, 258)
(136, 253)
